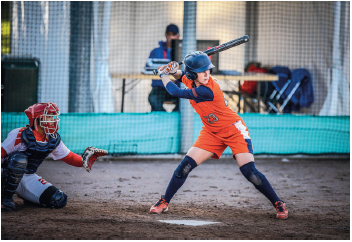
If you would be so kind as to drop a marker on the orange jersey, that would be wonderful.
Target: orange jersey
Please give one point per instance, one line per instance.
(215, 114)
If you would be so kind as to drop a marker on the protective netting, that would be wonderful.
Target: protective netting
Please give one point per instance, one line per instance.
(289, 83)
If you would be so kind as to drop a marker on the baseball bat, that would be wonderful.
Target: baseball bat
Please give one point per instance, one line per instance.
(220, 48)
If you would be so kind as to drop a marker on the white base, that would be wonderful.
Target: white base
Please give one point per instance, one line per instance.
(188, 222)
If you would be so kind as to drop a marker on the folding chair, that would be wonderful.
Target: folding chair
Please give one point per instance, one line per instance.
(293, 88)
(280, 86)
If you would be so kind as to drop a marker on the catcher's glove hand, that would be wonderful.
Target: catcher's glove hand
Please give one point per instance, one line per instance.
(90, 155)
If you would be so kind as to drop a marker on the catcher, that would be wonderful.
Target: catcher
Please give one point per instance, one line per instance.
(24, 150)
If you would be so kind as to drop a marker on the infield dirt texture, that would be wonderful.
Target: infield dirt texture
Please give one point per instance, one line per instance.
(113, 201)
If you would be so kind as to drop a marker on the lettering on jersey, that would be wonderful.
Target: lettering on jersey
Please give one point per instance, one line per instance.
(211, 118)
(42, 181)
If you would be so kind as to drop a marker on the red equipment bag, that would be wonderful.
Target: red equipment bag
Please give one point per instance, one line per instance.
(250, 87)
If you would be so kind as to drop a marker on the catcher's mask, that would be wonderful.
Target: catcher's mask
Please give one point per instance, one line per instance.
(48, 116)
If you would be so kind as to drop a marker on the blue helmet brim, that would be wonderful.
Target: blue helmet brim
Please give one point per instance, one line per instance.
(198, 62)
(204, 68)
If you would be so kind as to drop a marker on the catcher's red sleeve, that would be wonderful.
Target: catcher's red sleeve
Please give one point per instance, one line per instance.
(3, 153)
(73, 159)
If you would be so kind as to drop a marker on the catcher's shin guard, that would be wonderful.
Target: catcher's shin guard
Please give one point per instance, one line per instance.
(52, 197)
(15, 166)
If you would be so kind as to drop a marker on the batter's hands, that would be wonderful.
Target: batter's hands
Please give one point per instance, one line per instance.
(170, 68)
(163, 70)
(90, 155)
(173, 67)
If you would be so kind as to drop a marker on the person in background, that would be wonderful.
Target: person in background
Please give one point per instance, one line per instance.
(159, 95)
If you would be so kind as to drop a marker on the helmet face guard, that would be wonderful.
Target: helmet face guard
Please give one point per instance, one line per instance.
(48, 115)
(49, 120)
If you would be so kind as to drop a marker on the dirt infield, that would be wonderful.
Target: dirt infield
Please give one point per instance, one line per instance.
(112, 202)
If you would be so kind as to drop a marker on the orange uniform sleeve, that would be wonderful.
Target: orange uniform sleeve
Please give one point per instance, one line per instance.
(73, 159)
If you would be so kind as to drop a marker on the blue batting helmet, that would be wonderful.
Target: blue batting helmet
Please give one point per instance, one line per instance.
(197, 62)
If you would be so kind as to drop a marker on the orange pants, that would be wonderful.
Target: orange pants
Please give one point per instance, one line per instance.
(235, 136)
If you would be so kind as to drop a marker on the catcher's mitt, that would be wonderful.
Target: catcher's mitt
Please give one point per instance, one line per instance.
(90, 155)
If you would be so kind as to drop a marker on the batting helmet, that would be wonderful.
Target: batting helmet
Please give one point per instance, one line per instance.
(197, 62)
(48, 114)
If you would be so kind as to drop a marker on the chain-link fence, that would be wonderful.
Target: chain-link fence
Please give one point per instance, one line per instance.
(290, 83)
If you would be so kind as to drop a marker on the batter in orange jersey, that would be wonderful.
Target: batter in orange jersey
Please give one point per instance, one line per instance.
(222, 128)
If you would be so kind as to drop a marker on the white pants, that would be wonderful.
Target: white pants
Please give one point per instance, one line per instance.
(31, 187)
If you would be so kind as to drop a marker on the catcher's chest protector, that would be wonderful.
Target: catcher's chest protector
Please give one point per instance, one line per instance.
(35, 151)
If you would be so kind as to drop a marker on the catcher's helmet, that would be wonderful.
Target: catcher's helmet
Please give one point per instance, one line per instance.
(43, 111)
(197, 62)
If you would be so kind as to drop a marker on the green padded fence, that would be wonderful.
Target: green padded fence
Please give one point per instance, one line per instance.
(159, 132)
(295, 134)
(120, 133)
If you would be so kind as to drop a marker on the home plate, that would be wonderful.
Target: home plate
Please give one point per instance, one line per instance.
(188, 222)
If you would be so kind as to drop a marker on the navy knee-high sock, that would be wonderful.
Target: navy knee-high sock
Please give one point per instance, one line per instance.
(259, 181)
(179, 177)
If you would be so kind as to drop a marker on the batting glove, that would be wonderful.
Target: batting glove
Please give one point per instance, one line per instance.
(163, 70)
(90, 155)
(173, 67)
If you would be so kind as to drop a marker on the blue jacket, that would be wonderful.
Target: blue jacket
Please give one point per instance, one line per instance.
(304, 95)
(160, 53)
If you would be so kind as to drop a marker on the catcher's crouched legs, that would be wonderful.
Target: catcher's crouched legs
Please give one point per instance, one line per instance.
(52, 197)
(14, 167)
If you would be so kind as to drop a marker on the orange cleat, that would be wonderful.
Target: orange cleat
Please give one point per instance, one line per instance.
(281, 209)
(160, 206)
